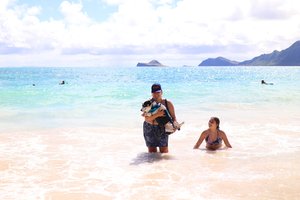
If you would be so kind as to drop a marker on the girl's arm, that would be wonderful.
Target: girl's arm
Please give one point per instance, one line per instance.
(200, 140)
(224, 137)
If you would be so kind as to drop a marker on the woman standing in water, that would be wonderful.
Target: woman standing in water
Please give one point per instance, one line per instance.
(154, 134)
(213, 136)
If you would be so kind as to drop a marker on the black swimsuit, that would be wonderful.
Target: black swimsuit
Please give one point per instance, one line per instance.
(217, 141)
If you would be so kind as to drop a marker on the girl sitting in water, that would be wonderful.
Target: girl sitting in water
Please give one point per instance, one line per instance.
(213, 136)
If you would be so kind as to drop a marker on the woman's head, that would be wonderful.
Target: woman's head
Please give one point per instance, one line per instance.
(214, 122)
(156, 91)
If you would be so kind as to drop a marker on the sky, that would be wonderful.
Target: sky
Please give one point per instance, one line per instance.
(124, 32)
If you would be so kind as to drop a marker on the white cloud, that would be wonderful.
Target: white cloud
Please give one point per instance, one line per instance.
(73, 14)
(191, 29)
(33, 11)
(272, 9)
(4, 4)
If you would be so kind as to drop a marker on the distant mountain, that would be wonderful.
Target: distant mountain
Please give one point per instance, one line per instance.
(219, 61)
(152, 63)
(287, 57)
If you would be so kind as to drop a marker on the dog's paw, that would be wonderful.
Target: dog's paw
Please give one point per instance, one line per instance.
(177, 125)
(146, 114)
(169, 128)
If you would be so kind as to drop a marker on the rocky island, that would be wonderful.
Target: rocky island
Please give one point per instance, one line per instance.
(152, 63)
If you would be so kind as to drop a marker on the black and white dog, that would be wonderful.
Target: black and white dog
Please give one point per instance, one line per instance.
(150, 107)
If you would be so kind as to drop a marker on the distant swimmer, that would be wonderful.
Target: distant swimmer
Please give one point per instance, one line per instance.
(62, 83)
(213, 136)
(33, 84)
(265, 83)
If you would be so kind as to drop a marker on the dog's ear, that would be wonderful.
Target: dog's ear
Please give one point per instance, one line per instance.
(143, 105)
(146, 103)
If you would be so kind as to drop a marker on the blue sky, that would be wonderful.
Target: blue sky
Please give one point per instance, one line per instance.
(95, 9)
(124, 32)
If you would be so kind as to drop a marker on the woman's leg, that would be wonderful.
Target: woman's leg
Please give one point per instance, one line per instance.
(149, 137)
(152, 149)
(163, 149)
(163, 143)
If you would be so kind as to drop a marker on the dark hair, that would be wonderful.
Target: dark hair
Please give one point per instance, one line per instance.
(217, 120)
(156, 87)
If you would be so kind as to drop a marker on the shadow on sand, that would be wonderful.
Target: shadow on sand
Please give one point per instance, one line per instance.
(150, 158)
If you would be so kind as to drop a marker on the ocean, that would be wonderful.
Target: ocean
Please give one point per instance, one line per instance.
(84, 139)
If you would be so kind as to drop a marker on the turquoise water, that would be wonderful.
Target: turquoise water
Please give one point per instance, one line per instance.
(104, 96)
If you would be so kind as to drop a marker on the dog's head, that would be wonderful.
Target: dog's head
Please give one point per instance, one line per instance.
(146, 107)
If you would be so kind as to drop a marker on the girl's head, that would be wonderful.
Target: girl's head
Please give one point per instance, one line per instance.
(214, 123)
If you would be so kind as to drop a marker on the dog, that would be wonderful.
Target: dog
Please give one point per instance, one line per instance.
(150, 107)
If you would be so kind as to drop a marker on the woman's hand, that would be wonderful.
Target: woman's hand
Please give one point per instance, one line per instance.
(159, 113)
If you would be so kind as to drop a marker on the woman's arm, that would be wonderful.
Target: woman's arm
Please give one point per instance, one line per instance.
(172, 110)
(224, 137)
(151, 118)
(200, 140)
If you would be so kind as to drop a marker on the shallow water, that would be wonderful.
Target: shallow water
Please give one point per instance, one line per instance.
(83, 140)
